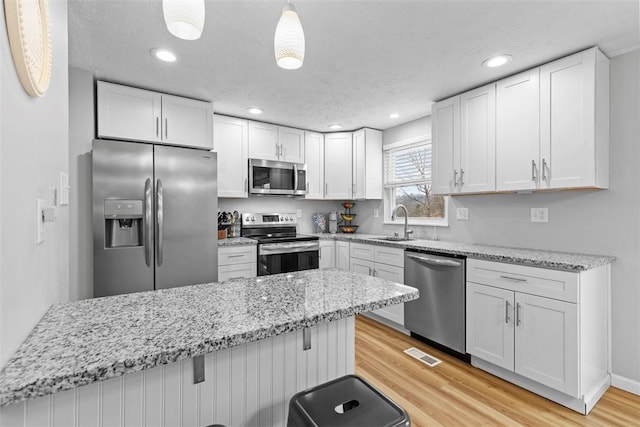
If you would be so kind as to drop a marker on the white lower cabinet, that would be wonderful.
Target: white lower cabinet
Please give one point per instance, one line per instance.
(544, 330)
(342, 255)
(235, 262)
(385, 263)
(327, 254)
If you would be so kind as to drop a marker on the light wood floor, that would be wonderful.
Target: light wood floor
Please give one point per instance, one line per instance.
(457, 394)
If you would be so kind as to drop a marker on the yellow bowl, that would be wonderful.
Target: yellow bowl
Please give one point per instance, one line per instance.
(348, 217)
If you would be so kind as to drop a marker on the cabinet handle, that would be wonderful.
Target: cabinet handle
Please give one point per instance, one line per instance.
(375, 273)
(515, 279)
(353, 190)
(277, 151)
(157, 127)
(282, 152)
(246, 185)
(544, 168)
(461, 178)
(326, 189)
(235, 256)
(506, 312)
(533, 170)
(455, 178)
(369, 270)
(517, 314)
(166, 128)
(307, 186)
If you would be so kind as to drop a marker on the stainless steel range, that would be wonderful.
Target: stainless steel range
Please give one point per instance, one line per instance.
(280, 248)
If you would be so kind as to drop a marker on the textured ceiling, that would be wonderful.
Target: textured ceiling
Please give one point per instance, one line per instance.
(364, 59)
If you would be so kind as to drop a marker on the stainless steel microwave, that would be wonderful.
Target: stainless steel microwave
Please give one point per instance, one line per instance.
(277, 178)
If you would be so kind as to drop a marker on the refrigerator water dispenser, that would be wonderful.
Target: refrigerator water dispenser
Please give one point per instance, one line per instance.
(123, 223)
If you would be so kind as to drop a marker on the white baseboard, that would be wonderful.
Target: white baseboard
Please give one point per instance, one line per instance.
(626, 384)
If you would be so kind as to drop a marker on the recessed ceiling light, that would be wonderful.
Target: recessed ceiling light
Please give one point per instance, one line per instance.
(163, 55)
(496, 61)
(254, 110)
(394, 115)
(335, 126)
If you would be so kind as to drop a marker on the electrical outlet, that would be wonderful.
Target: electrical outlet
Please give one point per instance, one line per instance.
(39, 221)
(462, 214)
(299, 213)
(375, 213)
(539, 215)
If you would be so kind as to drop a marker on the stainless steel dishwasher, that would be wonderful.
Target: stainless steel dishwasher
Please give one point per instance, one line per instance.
(439, 314)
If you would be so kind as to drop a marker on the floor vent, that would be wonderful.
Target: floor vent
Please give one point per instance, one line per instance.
(423, 357)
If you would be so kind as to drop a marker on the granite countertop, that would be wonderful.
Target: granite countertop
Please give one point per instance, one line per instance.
(82, 342)
(565, 261)
(236, 241)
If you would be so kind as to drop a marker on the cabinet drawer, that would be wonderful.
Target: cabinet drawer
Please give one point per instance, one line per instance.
(237, 255)
(236, 271)
(390, 256)
(561, 285)
(362, 251)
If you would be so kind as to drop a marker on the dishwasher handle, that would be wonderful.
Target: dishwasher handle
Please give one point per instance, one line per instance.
(435, 261)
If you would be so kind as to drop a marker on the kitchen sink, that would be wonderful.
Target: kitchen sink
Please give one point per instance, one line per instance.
(395, 239)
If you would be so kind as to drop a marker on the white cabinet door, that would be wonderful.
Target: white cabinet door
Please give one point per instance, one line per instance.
(187, 122)
(446, 140)
(291, 144)
(327, 256)
(477, 140)
(263, 141)
(314, 154)
(231, 142)
(518, 132)
(546, 342)
(374, 165)
(338, 166)
(361, 266)
(342, 256)
(490, 321)
(359, 164)
(567, 103)
(395, 313)
(128, 113)
(237, 271)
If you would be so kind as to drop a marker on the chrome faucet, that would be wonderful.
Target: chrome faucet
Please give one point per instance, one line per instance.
(406, 219)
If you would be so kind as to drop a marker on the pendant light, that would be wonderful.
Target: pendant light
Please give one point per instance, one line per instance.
(288, 42)
(184, 18)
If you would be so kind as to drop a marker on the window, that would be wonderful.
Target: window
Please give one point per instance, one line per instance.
(407, 169)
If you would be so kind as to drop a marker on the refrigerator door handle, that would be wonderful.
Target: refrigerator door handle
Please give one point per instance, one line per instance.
(148, 222)
(159, 222)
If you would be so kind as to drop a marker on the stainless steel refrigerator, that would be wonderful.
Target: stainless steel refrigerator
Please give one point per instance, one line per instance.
(154, 217)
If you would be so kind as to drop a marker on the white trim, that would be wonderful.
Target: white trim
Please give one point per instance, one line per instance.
(408, 141)
(626, 384)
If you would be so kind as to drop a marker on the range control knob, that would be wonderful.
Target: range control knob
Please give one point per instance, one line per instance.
(253, 218)
(281, 218)
(289, 219)
(247, 218)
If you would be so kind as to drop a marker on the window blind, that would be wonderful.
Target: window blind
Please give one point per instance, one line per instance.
(408, 165)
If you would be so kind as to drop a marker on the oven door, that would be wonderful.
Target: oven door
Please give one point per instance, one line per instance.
(274, 258)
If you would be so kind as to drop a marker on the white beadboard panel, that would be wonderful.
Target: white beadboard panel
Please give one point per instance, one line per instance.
(38, 412)
(223, 387)
(88, 405)
(112, 402)
(189, 395)
(64, 408)
(247, 385)
(152, 380)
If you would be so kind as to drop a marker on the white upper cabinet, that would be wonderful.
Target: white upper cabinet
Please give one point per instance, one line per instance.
(291, 144)
(477, 154)
(445, 125)
(314, 151)
(231, 142)
(142, 115)
(338, 166)
(518, 132)
(574, 107)
(367, 164)
(279, 143)
(464, 143)
(263, 141)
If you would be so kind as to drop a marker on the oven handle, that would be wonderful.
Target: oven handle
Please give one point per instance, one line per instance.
(285, 248)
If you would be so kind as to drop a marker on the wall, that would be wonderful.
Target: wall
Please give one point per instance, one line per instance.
(598, 222)
(34, 148)
(81, 134)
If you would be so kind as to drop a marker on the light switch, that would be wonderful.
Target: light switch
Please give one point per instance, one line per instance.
(462, 214)
(299, 213)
